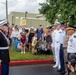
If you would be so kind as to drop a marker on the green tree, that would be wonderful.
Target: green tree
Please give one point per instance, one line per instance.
(66, 8)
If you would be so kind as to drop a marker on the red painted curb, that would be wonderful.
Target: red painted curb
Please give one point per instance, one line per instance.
(29, 62)
(0, 69)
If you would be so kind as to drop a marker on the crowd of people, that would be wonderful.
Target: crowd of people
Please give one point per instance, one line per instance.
(37, 40)
(64, 48)
(59, 40)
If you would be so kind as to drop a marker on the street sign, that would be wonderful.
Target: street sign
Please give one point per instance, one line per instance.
(22, 22)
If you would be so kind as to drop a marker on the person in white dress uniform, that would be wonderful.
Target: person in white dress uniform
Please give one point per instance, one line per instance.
(57, 34)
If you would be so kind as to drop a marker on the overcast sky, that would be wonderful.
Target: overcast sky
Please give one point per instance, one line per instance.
(30, 6)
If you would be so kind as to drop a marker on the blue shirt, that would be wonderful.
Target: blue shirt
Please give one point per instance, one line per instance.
(63, 33)
(39, 34)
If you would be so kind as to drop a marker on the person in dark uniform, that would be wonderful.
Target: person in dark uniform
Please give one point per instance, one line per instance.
(61, 52)
(4, 50)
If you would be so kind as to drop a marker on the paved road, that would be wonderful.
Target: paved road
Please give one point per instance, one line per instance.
(44, 69)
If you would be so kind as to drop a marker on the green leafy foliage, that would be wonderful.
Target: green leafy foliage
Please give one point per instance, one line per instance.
(67, 9)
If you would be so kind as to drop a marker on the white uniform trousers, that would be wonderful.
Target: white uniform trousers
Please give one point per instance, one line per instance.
(57, 53)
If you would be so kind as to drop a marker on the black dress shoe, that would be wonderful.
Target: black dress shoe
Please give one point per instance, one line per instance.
(62, 72)
(59, 70)
(54, 62)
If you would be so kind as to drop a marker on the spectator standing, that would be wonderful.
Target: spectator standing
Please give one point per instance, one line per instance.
(47, 30)
(49, 41)
(14, 36)
(23, 40)
(30, 36)
(39, 32)
(12, 27)
(17, 27)
(34, 42)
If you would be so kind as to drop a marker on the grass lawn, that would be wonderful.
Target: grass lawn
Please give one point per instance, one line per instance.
(14, 55)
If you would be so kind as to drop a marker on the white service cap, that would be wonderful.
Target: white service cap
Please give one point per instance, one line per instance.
(57, 23)
(4, 22)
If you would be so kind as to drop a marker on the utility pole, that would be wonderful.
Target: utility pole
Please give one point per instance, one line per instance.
(6, 4)
(7, 16)
(25, 14)
(7, 10)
